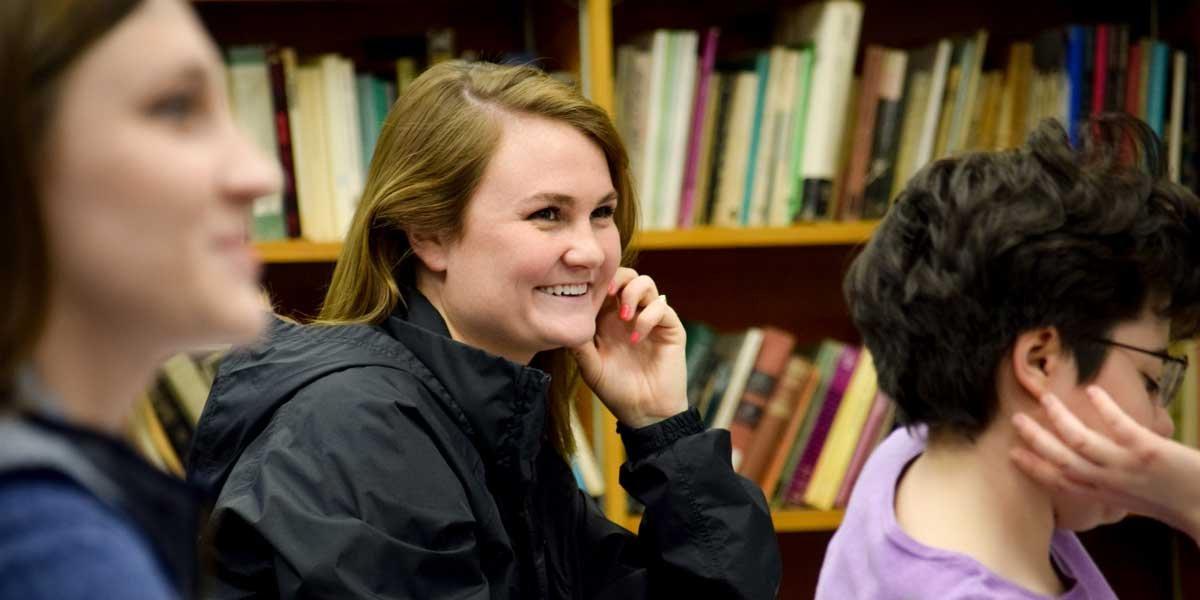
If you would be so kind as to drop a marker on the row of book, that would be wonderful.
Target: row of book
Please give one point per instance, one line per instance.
(318, 118)
(164, 418)
(790, 133)
(801, 424)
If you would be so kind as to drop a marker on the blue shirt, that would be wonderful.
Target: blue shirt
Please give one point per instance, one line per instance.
(58, 541)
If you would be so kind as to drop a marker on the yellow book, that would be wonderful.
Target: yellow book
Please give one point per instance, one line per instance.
(843, 435)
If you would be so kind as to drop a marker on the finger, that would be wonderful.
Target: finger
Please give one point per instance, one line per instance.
(640, 291)
(622, 277)
(1125, 431)
(656, 314)
(1051, 449)
(1092, 446)
(1043, 472)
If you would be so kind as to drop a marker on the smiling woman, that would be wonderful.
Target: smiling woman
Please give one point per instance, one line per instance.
(413, 443)
(126, 188)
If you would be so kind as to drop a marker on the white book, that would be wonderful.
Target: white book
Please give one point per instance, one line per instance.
(647, 171)
(832, 28)
(742, 365)
(767, 134)
(584, 462)
(314, 192)
(254, 113)
(933, 105)
(784, 114)
(732, 177)
(679, 117)
(1175, 125)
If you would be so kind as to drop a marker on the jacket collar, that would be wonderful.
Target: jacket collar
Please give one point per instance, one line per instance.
(500, 404)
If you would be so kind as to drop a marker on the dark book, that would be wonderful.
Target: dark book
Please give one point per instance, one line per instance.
(283, 136)
(889, 115)
(720, 135)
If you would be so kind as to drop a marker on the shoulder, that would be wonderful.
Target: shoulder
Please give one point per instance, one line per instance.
(58, 540)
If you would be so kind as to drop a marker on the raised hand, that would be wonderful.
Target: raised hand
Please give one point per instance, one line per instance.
(635, 362)
(1135, 468)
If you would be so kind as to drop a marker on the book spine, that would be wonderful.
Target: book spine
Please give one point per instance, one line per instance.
(688, 194)
(1133, 79)
(860, 153)
(812, 451)
(768, 368)
(283, 136)
(1075, 47)
(884, 146)
(866, 443)
(1100, 71)
(775, 419)
(1156, 102)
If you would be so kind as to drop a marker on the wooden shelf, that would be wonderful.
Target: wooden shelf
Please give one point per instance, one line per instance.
(810, 234)
(815, 234)
(788, 520)
(298, 251)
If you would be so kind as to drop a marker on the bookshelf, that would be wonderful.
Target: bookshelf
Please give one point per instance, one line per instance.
(707, 238)
(731, 278)
(786, 521)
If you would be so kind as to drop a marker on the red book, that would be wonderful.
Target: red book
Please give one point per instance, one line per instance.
(1100, 72)
(708, 59)
(775, 419)
(768, 368)
(283, 136)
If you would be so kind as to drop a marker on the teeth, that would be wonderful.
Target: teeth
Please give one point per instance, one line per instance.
(577, 289)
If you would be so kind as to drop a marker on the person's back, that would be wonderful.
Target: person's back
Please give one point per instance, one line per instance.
(122, 171)
(998, 279)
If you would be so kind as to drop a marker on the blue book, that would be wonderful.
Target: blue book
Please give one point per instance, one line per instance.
(1076, 40)
(1156, 95)
(763, 65)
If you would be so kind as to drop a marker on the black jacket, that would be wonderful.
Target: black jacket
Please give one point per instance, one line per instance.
(393, 462)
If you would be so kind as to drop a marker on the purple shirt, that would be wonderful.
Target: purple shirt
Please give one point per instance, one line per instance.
(870, 557)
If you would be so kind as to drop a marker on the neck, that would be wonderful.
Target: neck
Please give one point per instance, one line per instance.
(969, 498)
(432, 290)
(95, 368)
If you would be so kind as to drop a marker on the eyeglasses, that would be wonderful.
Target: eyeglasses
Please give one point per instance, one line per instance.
(1174, 368)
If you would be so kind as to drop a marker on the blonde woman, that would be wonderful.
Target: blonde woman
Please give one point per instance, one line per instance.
(414, 443)
(122, 241)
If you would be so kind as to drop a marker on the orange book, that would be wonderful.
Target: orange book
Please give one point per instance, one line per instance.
(772, 358)
(775, 419)
(774, 468)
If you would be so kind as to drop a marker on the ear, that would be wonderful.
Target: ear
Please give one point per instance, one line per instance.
(432, 249)
(1037, 357)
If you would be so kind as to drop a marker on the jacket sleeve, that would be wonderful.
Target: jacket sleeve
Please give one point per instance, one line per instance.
(348, 503)
(706, 531)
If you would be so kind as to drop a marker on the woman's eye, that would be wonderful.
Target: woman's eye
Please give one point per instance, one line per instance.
(176, 107)
(604, 212)
(549, 213)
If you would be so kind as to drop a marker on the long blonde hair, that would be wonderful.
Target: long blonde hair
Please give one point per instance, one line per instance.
(429, 159)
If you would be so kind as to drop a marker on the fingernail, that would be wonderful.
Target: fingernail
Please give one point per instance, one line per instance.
(626, 312)
(633, 339)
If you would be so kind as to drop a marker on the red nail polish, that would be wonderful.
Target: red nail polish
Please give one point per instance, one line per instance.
(633, 339)
(626, 312)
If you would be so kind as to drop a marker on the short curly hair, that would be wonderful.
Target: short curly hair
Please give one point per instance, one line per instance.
(983, 247)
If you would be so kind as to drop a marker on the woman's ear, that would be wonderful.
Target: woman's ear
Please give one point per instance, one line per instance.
(431, 249)
(1037, 357)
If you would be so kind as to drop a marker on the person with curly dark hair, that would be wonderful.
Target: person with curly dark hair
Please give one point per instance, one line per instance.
(997, 279)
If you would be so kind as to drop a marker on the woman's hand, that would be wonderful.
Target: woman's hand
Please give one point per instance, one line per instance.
(1135, 469)
(635, 363)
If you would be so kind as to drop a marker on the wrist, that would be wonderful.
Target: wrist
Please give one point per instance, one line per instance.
(637, 419)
